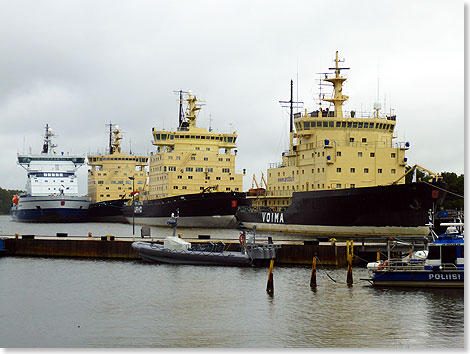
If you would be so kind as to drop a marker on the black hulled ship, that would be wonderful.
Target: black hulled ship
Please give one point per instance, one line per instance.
(343, 175)
(193, 171)
(113, 178)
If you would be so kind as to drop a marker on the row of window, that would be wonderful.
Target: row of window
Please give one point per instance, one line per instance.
(137, 159)
(121, 182)
(225, 139)
(116, 173)
(51, 174)
(207, 178)
(192, 169)
(372, 154)
(366, 170)
(53, 181)
(228, 189)
(341, 124)
(193, 158)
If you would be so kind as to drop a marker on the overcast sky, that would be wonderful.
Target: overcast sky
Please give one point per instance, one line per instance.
(78, 65)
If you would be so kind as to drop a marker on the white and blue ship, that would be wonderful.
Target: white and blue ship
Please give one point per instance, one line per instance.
(51, 188)
(442, 267)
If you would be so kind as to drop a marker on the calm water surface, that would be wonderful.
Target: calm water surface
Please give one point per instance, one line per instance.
(46, 302)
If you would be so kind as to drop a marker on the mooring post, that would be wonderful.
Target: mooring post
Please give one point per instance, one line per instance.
(313, 276)
(349, 253)
(270, 286)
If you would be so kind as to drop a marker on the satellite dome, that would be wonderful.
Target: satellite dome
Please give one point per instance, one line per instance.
(377, 105)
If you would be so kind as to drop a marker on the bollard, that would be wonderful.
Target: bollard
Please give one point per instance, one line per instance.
(349, 252)
(270, 286)
(89, 234)
(313, 277)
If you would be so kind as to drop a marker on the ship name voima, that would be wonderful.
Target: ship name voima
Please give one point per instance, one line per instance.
(275, 218)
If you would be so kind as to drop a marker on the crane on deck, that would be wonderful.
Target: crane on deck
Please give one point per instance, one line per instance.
(435, 176)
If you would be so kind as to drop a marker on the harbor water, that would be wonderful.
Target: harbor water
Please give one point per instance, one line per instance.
(57, 302)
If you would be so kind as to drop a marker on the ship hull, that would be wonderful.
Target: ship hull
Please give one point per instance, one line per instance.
(428, 279)
(107, 211)
(60, 208)
(382, 211)
(204, 210)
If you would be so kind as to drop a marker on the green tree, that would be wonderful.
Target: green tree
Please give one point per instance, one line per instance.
(5, 199)
(455, 187)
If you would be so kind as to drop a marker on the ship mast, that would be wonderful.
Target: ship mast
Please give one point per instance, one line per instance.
(110, 138)
(337, 81)
(181, 113)
(48, 147)
(291, 122)
(193, 108)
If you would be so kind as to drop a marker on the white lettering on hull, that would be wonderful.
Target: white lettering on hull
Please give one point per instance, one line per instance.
(444, 277)
(276, 218)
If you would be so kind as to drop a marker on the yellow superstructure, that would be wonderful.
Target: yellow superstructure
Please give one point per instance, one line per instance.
(191, 159)
(333, 150)
(109, 177)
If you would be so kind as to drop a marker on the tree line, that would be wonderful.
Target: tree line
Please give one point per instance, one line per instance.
(455, 187)
(6, 196)
(454, 199)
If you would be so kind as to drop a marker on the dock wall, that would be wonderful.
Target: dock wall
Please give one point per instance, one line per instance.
(295, 254)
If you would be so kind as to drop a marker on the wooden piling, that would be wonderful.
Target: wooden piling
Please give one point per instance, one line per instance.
(313, 276)
(349, 253)
(270, 286)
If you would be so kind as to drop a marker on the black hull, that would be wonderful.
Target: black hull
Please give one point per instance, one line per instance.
(372, 211)
(209, 210)
(107, 211)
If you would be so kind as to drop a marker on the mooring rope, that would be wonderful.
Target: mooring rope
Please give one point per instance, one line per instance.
(442, 189)
(321, 265)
